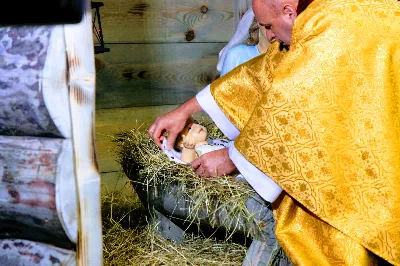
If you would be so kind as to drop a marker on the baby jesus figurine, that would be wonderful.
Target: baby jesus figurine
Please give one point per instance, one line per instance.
(191, 137)
(191, 143)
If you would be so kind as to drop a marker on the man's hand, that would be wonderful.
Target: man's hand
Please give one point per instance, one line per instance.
(173, 122)
(215, 163)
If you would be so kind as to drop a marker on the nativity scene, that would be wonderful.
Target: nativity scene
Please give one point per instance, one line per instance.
(246, 132)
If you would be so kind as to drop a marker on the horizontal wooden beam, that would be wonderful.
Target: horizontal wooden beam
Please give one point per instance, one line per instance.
(154, 74)
(167, 21)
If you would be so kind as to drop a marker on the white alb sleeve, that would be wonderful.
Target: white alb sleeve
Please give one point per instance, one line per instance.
(208, 104)
(260, 182)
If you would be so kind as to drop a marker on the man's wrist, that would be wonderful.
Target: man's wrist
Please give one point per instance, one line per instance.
(191, 107)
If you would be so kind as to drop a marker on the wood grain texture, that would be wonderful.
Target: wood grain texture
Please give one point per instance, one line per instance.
(80, 55)
(144, 21)
(154, 74)
(24, 252)
(29, 168)
(241, 6)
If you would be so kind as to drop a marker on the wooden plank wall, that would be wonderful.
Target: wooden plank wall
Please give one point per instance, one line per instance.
(162, 51)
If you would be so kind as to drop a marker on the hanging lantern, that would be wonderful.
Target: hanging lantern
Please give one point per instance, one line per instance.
(97, 30)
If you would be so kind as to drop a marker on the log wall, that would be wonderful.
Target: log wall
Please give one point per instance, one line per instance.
(29, 170)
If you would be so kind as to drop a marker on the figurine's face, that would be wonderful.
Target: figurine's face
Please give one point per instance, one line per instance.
(197, 132)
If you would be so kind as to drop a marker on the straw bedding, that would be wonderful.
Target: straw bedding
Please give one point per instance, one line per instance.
(214, 202)
(218, 202)
(129, 240)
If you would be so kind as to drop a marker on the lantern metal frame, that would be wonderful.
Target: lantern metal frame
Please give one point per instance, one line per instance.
(97, 30)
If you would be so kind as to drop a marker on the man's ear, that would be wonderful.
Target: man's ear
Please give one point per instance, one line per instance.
(290, 11)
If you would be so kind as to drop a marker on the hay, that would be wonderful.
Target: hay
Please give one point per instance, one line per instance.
(144, 163)
(129, 240)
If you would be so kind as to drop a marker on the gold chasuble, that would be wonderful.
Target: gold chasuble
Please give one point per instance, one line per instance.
(323, 121)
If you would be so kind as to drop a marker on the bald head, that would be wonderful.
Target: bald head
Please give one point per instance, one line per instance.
(277, 17)
(274, 5)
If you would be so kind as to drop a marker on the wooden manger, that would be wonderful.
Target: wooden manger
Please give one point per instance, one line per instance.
(177, 199)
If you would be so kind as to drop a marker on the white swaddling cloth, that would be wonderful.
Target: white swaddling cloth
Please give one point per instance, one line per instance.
(213, 145)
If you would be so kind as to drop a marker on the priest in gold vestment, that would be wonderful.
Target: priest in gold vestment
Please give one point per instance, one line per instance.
(316, 127)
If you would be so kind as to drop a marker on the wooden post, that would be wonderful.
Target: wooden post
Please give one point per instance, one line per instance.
(81, 69)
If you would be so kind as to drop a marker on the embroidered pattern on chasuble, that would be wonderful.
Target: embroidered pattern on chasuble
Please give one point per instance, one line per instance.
(327, 130)
(255, 76)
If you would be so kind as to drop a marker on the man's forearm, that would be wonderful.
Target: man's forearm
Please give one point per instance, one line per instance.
(190, 107)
